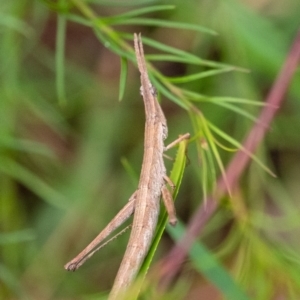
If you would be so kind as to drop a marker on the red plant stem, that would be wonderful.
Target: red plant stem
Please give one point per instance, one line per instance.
(172, 263)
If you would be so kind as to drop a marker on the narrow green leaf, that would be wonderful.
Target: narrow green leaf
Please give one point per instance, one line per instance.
(208, 168)
(169, 49)
(17, 236)
(212, 144)
(183, 54)
(237, 100)
(172, 58)
(234, 142)
(78, 19)
(25, 146)
(198, 97)
(238, 110)
(193, 61)
(206, 171)
(140, 11)
(33, 182)
(200, 150)
(119, 3)
(123, 77)
(162, 23)
(60, 59)
(208, 265)
(15, 24)
(61, 6)
(193, 77)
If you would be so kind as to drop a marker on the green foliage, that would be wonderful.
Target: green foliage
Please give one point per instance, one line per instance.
(209, 266)
(70, 152)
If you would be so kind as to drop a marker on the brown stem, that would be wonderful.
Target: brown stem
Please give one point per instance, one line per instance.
(171, 264)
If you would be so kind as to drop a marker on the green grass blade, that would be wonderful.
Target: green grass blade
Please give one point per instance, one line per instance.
(80, 20)
(163, 23)
(208, 170)
(141, 11)
(124, 16)
(60, 59)
(17, 236)
(169, 49)
(198, 97)
(210, 139)
(171, 58)
(24, 145)
(201, 155)
(192, 60)
(33, 182)
(123, 77)
(15, 24)
(234, 142)
(237, 100)
(121, 3)
(183, 54)
(206, 264)
(193, 77)
(238, 110)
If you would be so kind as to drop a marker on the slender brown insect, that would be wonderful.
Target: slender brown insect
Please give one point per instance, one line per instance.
(145, 201)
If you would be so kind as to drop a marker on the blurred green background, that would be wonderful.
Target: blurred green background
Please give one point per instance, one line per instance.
(71, 152)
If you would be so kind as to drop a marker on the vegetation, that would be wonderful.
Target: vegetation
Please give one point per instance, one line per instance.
(71, 152)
